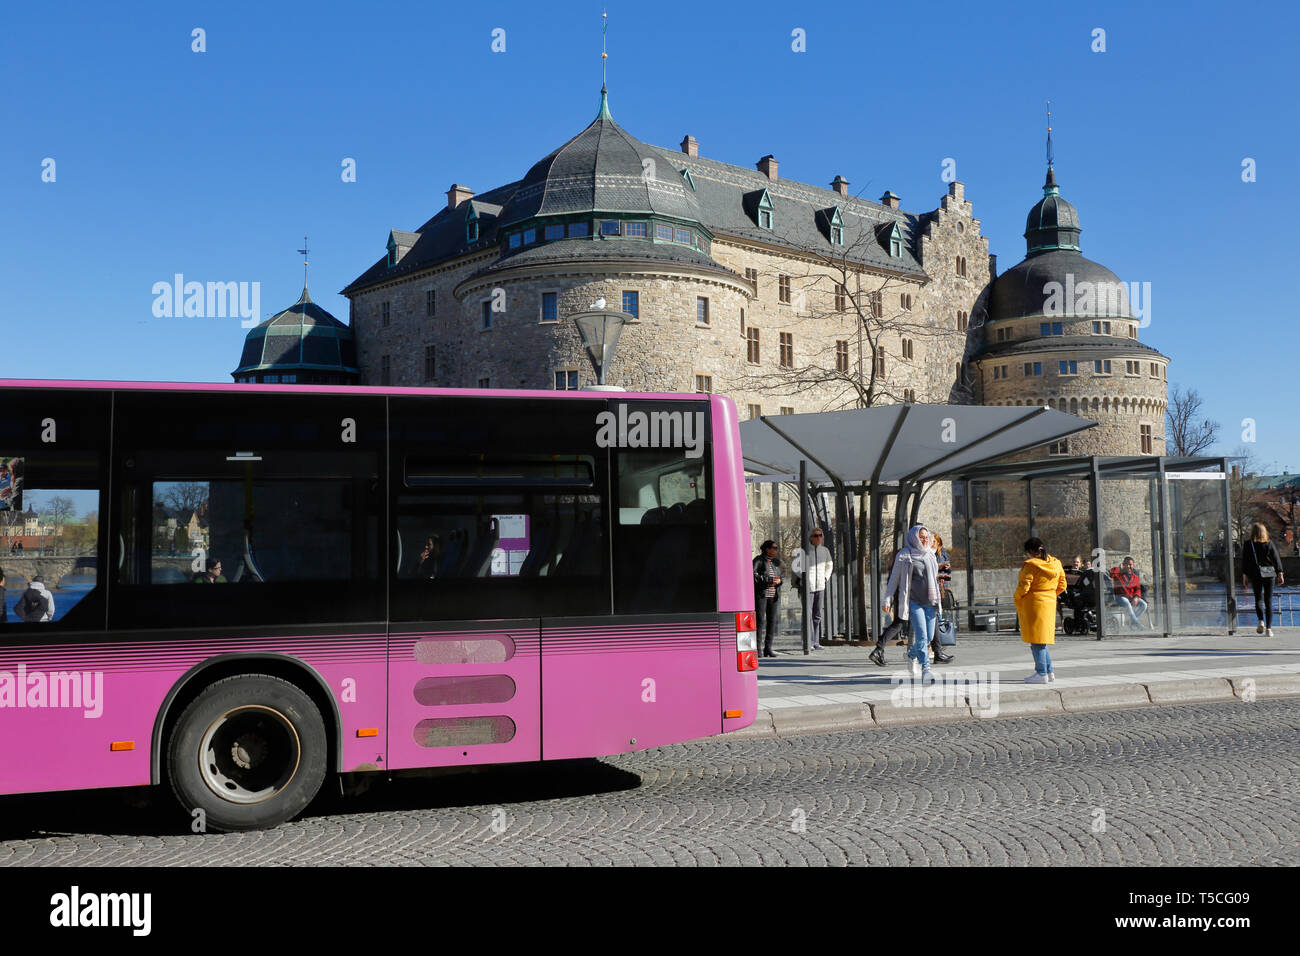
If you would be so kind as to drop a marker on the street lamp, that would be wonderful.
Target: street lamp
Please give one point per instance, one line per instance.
(600, 328)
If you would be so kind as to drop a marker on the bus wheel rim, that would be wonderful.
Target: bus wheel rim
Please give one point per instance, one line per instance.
(249, 754)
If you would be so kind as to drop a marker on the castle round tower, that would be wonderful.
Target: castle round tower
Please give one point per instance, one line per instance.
(1061, 330)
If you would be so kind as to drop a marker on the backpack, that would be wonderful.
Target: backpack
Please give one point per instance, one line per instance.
(31, 606)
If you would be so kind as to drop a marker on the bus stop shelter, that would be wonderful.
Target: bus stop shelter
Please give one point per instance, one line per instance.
(1172, 514)
(887, 450)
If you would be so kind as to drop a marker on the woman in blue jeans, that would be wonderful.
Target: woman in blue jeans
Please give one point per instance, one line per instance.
(915, 578)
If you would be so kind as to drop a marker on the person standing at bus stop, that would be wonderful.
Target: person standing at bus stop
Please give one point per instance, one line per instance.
(1042, 579)
(767, 591)
(1261, 566)
(816, 565)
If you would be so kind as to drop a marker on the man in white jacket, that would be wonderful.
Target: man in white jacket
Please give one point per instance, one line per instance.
(41, 605)
(816, 565)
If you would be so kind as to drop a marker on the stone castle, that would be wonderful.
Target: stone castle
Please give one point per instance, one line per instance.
(786, 296)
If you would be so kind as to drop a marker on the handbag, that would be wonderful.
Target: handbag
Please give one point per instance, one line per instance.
(1266, 572)
(946, 631)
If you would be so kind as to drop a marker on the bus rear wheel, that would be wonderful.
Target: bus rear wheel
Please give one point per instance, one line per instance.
(250, 752)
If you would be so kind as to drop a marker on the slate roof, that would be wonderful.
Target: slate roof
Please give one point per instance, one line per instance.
(302, 337)
(1023, 289)
(1099, 346)
(601, 170)
(605, 250)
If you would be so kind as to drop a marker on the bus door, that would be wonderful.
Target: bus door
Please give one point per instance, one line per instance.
(496, 516)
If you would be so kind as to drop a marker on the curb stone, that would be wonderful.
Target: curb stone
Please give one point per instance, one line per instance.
(1104, 697)
(1025, 705)
(895, 715)
(836, 717)
(1269, 685)
(1190, 691)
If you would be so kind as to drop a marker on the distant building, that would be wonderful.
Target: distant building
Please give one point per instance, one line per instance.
(302, 345)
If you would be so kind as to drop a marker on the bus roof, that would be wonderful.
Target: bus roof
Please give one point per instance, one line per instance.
(342, 389)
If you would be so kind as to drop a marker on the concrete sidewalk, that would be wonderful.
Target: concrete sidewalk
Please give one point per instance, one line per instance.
(838, 688)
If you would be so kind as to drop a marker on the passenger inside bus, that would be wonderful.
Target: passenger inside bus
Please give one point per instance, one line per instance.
(211, 573)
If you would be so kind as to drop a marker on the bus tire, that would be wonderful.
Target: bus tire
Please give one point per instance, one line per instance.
(250, 752)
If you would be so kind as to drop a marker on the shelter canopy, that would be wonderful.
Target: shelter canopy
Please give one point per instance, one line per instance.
(890, 444)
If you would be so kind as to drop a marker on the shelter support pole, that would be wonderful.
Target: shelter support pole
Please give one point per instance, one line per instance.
(1231, 584)
(1094, 512)
(1180, 546)
(968, 507)
(914, 508)
(876, 598)
(1029, 505)
(803, 543)
(776, 513)
(1163, 509)
(850, 587)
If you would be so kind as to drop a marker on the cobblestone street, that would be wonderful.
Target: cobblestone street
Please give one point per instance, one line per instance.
(1191, 785)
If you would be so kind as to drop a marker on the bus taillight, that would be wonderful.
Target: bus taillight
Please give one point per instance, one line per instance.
(746, 641)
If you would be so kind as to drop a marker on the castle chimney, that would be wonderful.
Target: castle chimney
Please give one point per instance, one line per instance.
(957, 190)
(889, 199)
(458, 194)
(840, 185)
(691, 146)
(767, 166)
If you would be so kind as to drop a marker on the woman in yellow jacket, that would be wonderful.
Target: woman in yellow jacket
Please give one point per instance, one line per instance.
(1041, 579)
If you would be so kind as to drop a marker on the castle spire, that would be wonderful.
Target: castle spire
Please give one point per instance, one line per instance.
(303, 252)
(1049, 185)
(604, 70)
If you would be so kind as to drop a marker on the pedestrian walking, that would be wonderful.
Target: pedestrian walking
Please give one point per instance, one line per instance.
(1261, 567)
(816, 565)
(915, 580)
(767, 591)
(1042, 579)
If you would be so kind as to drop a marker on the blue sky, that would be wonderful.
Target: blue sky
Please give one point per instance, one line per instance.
(216, 164)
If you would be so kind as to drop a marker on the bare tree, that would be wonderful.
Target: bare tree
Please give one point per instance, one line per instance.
(184, 498)
(1243, 491)
(60, 510)
(1187, 430)
(854, 367)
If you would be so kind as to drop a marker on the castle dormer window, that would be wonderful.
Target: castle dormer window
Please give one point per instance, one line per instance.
(834, 225)
(471, 227)
(891, 238)
(554, 232)
(690, 180)
(763, 210)
(392, 253)
(515, 240)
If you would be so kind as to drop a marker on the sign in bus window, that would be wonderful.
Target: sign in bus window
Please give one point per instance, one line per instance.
(11, 484)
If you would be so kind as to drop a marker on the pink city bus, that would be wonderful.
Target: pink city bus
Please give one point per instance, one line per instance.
(240, 589)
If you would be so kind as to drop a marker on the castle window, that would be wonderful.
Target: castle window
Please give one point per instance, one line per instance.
(1061, 447)
(682, 235)
(430, 363)
(755, 411)
(663, 232)
(392, 253)
(1001, 334)
(1132, 331)
(701, 310)
(907, 348)
(1033, 368)
(999, 372)
(275, 379)
(384, 314)
(1144, 431)
(577, 230)
(751, 346)
(514, 241)
(704, 383)
(637, 230)
(486, 306)
(1132, 368)
(1101, 366)
(550, 307)
(566, 380)
(554, 232)
(1155, 370)
(610, 227)
(1050, 328)
(632, 304)
(842, 355)
(909, 396)
(765, 219)
(787, 350)
(880, 360)
(752, 276)
(787, 410)
(877, 306)
(742, 323)
(783, 289)
(905, 300)
(1069, 368)
(963, 320)
(485, 383)
(1100, 328)
(961, 266)
(837, 236)
(385, 370)
(530, 236)
(431, 302)
(841, 297)
(471, 231)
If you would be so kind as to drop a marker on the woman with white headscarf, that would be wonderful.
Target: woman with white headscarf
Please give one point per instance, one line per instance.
(915, 577)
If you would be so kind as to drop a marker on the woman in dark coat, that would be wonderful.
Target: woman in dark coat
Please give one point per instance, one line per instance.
(767, 591)
(1261, 568)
